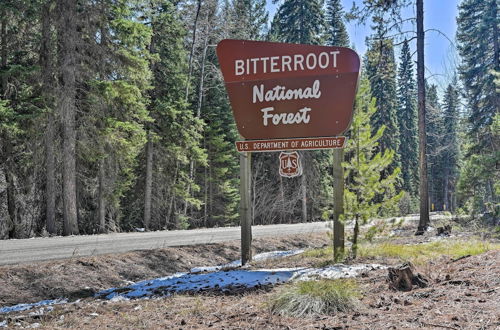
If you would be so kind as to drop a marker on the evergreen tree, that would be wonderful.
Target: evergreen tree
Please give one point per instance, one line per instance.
(250, 19)
(407, 121)
(336, 34)
(479, 48)
(367, 191)
(299, 21)
(478, 45)
(381, 72)
(451, 152)
(434, 131)
(479, 178)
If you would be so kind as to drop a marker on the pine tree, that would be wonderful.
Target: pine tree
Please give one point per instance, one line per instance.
(478, 45)
(451, 152)
(407, 121)
(250, 21)
(299, 21)
(381, 72)
(336, 34)
(368, 192)
(479, 48)
(434, 131)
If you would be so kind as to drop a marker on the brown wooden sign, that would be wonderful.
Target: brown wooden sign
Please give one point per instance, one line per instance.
(282, 90)
(291, 144)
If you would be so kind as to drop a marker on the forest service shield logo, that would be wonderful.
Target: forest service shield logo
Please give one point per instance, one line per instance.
(290, 165)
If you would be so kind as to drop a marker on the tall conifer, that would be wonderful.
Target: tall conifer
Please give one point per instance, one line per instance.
(407, 121)
(381, 72)
(336, 33)
(451, 144)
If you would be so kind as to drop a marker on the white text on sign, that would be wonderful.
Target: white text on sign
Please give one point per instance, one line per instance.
(286, 63)
(291, 144)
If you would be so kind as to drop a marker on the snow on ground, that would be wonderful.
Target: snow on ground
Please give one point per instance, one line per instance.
(227, 280)
(216, 278)
(258, 257)
(220, 281)
(334, 272)
(25, 307)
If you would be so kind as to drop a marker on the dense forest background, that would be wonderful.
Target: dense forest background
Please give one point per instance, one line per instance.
(114, 116)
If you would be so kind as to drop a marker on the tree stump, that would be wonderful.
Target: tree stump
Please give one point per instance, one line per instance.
(403, 278)
(444, 231)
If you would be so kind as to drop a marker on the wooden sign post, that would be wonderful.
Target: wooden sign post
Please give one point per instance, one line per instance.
(245, 206)
(288, 97)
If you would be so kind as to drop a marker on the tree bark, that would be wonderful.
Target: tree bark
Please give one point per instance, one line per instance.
(149, 182)
(355, 236)
(67, 108)
(8, 148)
(303, 186)
(101, 210)
(191, 53)
(424, 186)
(4, 52)
(46, 64)
(172, 196)
(446, 192)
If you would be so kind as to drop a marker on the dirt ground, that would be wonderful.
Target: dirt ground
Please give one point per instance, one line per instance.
(84, 276)
(463, 293)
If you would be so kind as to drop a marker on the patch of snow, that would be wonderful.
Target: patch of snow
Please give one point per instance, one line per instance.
(25, 307)
(227, 280)
(222, 281)
(258, 257)
(335, 271)
(42, 311)
(119, 298)
(3, 324)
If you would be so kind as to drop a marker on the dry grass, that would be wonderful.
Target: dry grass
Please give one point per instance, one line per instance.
(310, 298)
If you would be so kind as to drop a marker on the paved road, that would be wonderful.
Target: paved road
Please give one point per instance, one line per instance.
(40, 249)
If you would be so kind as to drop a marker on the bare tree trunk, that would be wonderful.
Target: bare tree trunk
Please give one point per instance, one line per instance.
(46, 64)
(11, 192)
(3, 52)
(424, 185)
(172, 195)
(149, 182)
(7, 151)
(205, 198)
(283, 209)
(446, 192)
(303, 183)
(67, 108)
(191, 53)
(101, 209)
(355, 236)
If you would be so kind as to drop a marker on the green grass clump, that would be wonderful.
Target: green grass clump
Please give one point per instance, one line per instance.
(308, 298)
(318, 253)
(421, 253)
